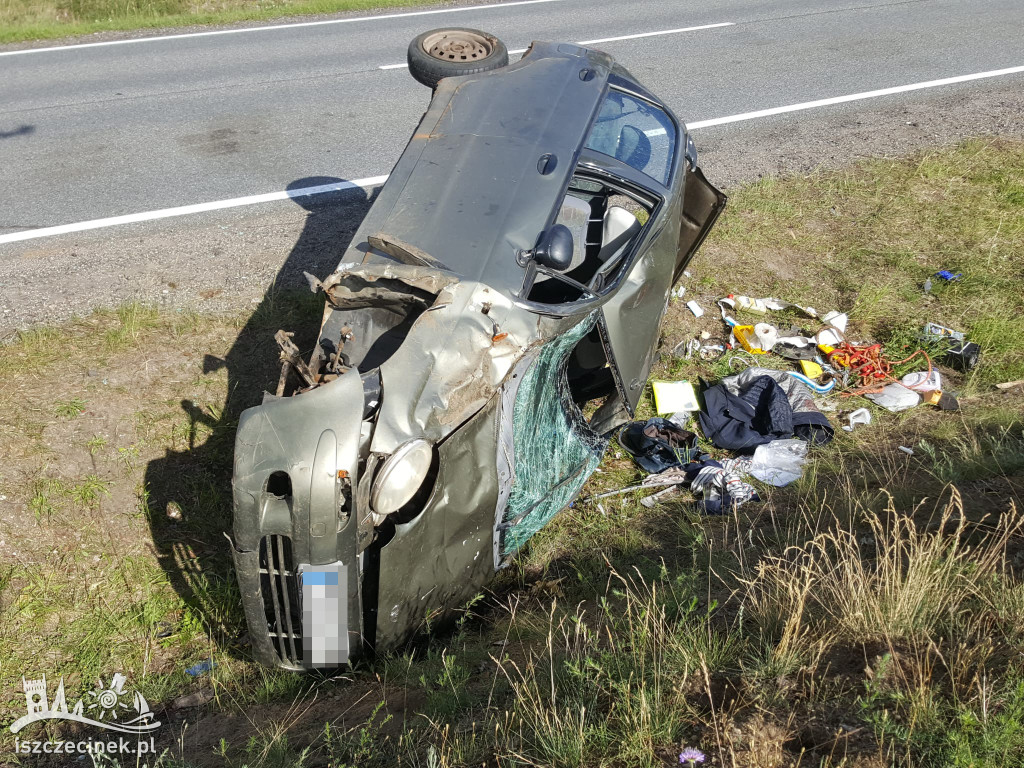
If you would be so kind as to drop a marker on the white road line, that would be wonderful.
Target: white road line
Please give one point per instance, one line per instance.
(185, 210)
(611, 39)
(655, 34)
(269, 27)
(376, 180)
(853, 97)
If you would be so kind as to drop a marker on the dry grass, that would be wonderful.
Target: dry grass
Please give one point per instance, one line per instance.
(22, 20)
(883, 579)
(868, 615)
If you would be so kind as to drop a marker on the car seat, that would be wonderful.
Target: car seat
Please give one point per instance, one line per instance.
(633, 147)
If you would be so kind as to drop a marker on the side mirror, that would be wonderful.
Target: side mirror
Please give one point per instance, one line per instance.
(555, 248)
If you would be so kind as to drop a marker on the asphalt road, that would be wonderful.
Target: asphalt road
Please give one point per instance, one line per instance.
(108, 130)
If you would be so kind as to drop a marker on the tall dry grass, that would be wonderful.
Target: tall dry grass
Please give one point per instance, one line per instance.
(886, 578)
(652, 668)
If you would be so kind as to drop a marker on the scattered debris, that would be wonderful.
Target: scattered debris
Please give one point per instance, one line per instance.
(657, 444)
(694, 307)
(811, 369)
(923, 381)
(837, 320)
(860, 416)
(751, 340)
(779, 462)
(895, 397)
(721, 485)
(674, 397)
(703, 347)
(769, 418)
(200, 668)
(759, 405)
(963, 356)
(934, 330)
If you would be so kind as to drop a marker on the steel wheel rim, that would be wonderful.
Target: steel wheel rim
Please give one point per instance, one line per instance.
(458, 46)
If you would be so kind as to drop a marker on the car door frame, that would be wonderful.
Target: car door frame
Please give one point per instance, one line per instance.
(634, 303)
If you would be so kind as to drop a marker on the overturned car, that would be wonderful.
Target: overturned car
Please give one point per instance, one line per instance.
(514, 268)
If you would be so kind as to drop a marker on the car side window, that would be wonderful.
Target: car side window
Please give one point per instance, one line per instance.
(605, 224)
(636, 133)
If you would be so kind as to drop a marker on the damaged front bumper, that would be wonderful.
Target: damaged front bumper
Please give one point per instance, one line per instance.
(296, 463)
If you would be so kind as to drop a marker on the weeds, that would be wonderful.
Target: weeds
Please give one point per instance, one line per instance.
(69, 409)
(95, 444)
(42, 19)
(885, 580)
(972, 455)
(89, 491)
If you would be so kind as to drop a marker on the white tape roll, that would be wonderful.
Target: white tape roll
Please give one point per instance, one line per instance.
(767, 336)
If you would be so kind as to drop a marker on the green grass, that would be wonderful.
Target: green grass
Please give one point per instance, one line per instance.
(69, 409)
(23, 20)
(869, 614)
(864, 240)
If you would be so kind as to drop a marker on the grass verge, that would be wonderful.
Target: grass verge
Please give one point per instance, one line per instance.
(868, 615)
(23, 20)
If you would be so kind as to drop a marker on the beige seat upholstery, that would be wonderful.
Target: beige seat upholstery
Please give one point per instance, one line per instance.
(575, 214)
(619, 228)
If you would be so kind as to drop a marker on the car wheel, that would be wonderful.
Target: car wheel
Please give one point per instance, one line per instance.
(454, 51)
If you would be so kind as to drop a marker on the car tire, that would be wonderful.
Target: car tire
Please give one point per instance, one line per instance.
(454, 51)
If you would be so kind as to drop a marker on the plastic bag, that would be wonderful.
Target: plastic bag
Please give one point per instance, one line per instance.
(779, 462)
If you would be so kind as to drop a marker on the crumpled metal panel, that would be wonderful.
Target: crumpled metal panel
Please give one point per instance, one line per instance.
(355, 286)
(284, 434)
(315, 439)
(452, 362)
(444, 555)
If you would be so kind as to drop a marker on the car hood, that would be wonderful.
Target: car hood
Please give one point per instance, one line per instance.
(471, 188)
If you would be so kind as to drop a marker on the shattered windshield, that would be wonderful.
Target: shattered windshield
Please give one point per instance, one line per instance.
(637, 133)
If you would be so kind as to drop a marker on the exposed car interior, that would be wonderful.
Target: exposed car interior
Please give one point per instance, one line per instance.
(605, 225)
(587, 372)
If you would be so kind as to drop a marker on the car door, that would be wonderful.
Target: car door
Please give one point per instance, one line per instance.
(638, 140)
(702, 204)
(630, 320)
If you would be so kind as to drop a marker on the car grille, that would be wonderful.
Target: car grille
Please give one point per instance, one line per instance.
(279, 585)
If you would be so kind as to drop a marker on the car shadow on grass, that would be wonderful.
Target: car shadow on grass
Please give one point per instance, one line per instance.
(188, 490)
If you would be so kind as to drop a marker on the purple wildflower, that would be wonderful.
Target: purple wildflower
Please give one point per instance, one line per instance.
(691, 756)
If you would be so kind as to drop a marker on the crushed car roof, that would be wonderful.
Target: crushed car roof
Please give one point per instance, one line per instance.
(482, 175)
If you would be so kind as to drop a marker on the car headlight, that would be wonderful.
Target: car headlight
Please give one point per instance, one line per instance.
(401, 476)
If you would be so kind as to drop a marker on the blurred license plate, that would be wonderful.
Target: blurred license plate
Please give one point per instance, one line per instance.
(324, 614)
